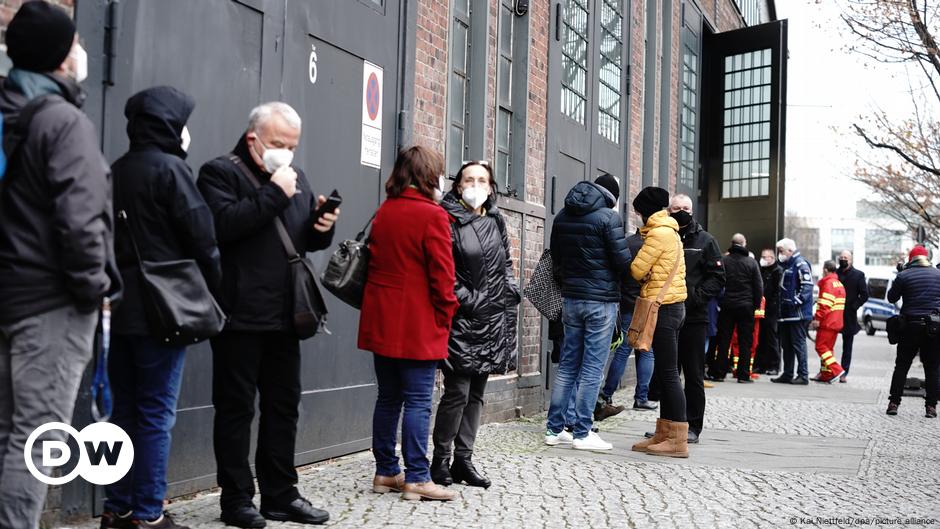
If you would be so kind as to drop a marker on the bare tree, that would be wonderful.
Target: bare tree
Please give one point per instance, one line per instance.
(903, 164)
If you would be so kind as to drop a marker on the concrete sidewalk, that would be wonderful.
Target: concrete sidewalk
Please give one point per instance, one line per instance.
(770, 456)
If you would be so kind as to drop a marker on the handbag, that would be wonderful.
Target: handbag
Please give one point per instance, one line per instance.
(309, 307)
(895, 326)
(179, 308)
(345, 274)
(646, 314)
(542, 290)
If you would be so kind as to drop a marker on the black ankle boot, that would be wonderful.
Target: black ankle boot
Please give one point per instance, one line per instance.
(463, 470)
(440, 471)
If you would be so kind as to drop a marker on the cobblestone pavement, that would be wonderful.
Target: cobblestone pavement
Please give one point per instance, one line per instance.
(884, 470)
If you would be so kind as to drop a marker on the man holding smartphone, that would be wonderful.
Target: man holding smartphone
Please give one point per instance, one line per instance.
(259, 351)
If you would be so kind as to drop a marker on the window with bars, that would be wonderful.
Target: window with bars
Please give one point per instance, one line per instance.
(504, 108)
(574, 60)
(688, 118)
(746, 125)
(611, 61)
(458, 103)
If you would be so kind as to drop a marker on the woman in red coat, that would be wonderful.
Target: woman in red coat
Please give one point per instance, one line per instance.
(407, 309)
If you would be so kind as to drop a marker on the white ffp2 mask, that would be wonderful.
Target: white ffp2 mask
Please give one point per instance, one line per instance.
(274, 159)
(474, 196)
(185, 139)
(81, 62)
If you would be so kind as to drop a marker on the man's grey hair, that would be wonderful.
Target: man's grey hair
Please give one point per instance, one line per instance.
(787, 244)
(682, 197)
(738, 239)
(265, 111)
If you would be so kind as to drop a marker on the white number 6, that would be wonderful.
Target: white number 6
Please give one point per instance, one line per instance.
(313, 64)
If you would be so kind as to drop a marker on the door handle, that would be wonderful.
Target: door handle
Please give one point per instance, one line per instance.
(553, 194)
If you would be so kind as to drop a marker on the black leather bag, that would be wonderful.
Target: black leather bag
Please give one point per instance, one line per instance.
(895, 325)
(309, 306)
(345, 274)
(179, 308)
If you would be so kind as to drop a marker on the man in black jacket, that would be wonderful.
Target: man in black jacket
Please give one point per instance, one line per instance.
(744, 288)
(704, 279)
(856, 294)
(259, 352)
(56, 254)
(767, 360)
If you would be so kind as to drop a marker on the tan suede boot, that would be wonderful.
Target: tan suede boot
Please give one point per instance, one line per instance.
(427, 491)
(662, 428)
(676, 445)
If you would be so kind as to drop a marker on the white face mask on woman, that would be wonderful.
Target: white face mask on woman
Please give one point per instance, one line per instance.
(474, 196)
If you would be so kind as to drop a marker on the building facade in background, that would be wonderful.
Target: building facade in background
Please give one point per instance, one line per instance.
(687, 95)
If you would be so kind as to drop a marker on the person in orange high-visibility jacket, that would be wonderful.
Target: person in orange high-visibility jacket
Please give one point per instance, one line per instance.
(828, 321)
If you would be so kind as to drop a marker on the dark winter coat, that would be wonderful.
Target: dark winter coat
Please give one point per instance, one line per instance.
(589, 250)
(629, 287)
(704, 271)
(256, 290)
(157, 190)
(772, 275)
(796, 290)
(55, 211)
(856, 294)
(483, 334)
(919, 286)
(744, 285)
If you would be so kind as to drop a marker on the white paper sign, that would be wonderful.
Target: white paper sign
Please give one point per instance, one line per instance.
(371, 146)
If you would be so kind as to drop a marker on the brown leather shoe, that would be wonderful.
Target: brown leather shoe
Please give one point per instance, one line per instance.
(675, 445)
(383, 484)
(662, 428)
(426, 491)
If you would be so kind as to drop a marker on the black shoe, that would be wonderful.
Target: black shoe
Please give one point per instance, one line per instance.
(772, 372)
(782, 379)
(163, 522)
(440, 471)
(464, 471)
(745, 381)
(714, 378)
(693, 437)
(892, 408)
(245, 516)
(800, 381)
(110, 520)
(644, 405)
(930, 412)
(297, 511)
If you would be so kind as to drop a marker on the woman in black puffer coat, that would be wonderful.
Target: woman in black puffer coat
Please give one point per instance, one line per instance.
(483, 335)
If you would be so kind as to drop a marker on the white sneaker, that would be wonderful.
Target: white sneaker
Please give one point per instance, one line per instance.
(558, 439)
(592, 442)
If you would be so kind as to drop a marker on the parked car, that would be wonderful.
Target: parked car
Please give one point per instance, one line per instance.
(876, 311)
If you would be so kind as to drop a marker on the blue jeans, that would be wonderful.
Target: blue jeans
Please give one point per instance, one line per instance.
(793, 343)
(408, 384)
(145, 381)
(589, 326)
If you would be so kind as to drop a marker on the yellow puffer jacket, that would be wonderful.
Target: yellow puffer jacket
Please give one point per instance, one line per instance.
(661, 247)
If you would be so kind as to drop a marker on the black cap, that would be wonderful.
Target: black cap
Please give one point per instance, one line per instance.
(40, 37)
(609, 183)
(650, 200)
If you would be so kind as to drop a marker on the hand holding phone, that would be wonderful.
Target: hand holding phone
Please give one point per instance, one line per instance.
(329, 206)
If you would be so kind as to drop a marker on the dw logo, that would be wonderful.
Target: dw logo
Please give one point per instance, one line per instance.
(105, 453)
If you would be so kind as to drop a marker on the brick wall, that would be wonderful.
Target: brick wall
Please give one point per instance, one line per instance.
(430, 106)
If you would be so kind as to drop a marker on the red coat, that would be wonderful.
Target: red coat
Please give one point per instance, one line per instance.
(830, 306)
(409, 299)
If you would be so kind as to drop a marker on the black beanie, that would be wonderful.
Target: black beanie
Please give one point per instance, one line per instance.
(650, 200)
(40, 37)
(609, 183)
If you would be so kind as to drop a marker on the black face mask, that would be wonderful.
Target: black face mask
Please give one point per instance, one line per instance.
(684, 218)
(843, 264)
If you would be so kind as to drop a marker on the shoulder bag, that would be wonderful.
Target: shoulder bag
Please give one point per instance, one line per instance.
(345, 274)
(646, 313)
(542, 290)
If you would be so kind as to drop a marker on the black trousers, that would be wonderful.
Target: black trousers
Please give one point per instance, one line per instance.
(916, 340)
(728, 319)
(245, 364)
(848, 341)
(768, 347)
(458, 415)
(692, 363)
(666, 361)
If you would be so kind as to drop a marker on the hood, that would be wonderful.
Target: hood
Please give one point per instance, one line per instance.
(456, 209)
(737, 249)
(155, 118)
(660, 219)
(586, 197)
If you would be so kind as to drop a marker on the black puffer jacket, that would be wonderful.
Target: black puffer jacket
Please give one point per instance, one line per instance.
(704, 271)
(154, 186)
(918, 286)
(744, 285)
(589, 250)
(483, 334)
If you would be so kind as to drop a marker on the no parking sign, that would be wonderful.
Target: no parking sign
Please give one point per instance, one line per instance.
(371, 151)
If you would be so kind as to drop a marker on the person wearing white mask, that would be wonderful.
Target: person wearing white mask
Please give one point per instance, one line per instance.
(483, 336)
(248, 190)
(767, 361)
(796, 312)
(56, 255)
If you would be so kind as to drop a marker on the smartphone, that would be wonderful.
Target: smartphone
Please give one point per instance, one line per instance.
(332, 202)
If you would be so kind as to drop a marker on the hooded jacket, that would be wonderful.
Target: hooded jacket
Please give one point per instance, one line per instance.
(662, 247)
(156, 189)
(919, 286)
(589, 250)
(55, 209)
(704, 271)
(745, 286)
(796, 290)
(772, 275)
(483, 332)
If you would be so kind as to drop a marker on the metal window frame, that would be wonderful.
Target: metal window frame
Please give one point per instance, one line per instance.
(600, 79)
(584, 96)
(475, 88)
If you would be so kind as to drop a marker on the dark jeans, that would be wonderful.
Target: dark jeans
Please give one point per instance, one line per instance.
(848, 341)
(916, 340)
(458, 415)
(145, 381)
(618, 364)
(407, 384)
(692, 362)
(666, 360)
(245, 364)
(793, 342)
(768, 347)
(728, 319)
